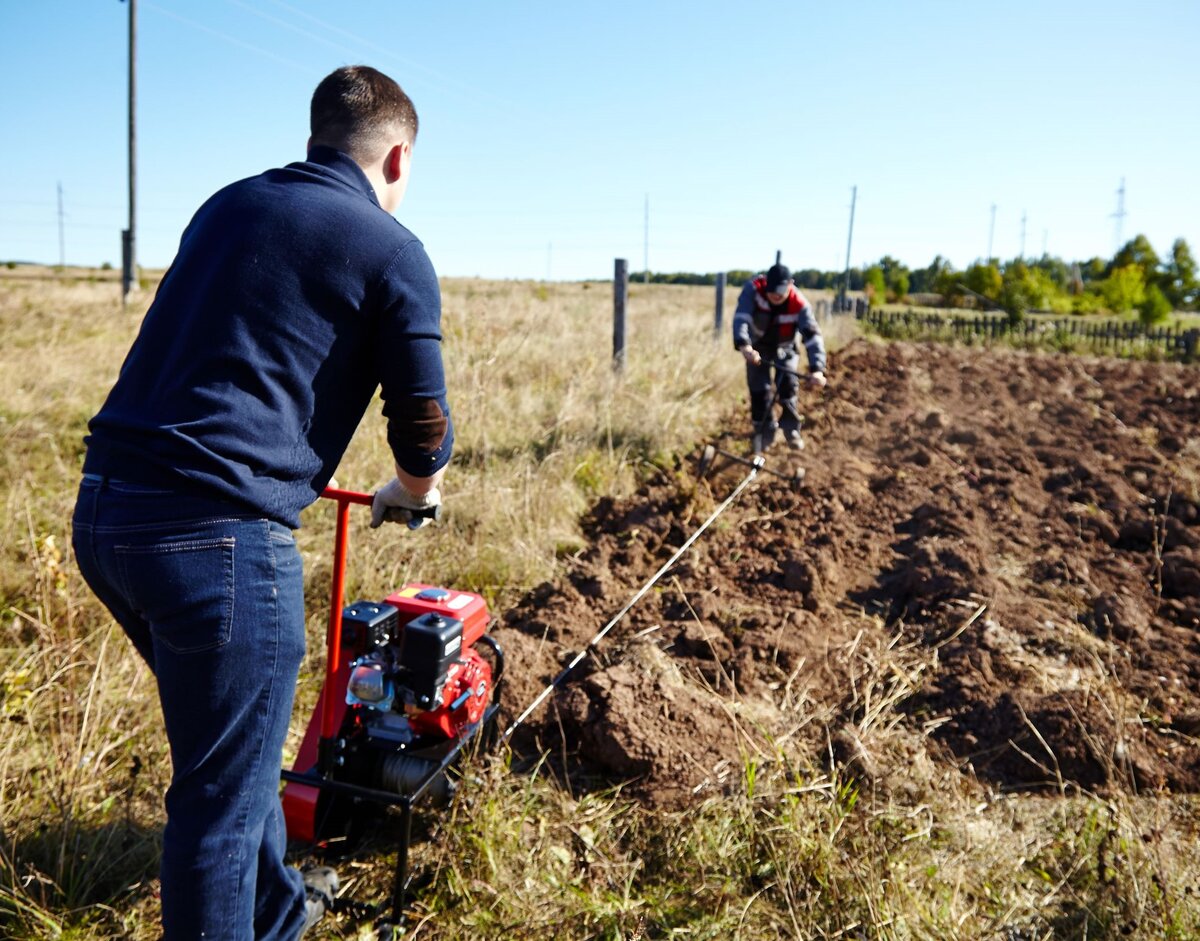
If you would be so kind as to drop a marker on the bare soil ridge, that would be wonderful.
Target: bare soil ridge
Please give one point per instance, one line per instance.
(992, 572)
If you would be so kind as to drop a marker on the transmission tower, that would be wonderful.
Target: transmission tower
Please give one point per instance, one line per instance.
(1119, 215)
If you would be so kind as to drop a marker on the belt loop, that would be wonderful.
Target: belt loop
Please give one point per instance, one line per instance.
(100, 483)
(100, 480)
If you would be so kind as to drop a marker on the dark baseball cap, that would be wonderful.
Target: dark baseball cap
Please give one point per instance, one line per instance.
(778, 279)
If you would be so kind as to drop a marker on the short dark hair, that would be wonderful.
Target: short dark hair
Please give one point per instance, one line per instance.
(356, 109)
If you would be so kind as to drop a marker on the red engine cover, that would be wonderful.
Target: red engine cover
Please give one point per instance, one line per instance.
(415, 599)
(464, 699)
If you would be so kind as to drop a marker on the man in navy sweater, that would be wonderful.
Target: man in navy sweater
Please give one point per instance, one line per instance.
(294, 296)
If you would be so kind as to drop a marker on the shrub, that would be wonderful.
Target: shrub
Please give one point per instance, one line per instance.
(1124, 289)
(1155, 308)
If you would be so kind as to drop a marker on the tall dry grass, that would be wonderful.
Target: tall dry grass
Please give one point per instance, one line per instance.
(545, 427)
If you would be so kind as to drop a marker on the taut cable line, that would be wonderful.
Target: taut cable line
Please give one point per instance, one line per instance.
(757, 465)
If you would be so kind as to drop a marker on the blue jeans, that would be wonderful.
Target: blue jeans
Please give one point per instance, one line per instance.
(213, 600)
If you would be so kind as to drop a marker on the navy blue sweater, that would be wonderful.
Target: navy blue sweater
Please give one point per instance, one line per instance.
(293, 297)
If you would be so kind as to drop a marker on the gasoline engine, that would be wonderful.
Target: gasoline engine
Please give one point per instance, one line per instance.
(406, 690)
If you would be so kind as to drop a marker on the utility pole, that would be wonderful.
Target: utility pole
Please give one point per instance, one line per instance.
(646, 245)
(991, 233)
(129, 277)
(1119, 215)
(1023, 235)
(849, 241)
(62, 242)
(1045, 237)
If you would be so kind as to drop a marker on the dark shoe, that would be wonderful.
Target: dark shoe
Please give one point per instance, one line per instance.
(794, 440)
(320, 890)
(763, 437)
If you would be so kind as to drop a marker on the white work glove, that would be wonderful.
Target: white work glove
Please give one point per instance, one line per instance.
(394, 503)
(751, 355)
(817, 379)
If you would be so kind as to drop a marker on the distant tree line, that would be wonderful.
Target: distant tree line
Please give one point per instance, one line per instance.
(1134, 280)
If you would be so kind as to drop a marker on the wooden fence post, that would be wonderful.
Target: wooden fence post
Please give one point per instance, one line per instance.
(720, 314)
(620, 302)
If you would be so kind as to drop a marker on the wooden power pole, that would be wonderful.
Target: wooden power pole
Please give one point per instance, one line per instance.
(129, 278)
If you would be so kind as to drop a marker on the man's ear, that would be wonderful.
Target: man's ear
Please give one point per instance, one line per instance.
(393, 162)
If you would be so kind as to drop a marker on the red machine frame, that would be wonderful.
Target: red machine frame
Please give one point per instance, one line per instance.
(313, 770)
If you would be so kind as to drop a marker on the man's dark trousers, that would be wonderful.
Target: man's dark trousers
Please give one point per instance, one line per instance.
(787, 385)
(213, 599)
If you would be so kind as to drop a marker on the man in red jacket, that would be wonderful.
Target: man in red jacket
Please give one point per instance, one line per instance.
(771, 316)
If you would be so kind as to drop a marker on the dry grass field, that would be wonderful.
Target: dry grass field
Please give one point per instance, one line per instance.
(562, 467)
(544, 427)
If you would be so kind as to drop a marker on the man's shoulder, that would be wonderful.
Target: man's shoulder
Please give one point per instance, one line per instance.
(334, 207)
(291, 214)
(407, 252)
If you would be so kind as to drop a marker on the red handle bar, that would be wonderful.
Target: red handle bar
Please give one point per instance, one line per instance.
(333, 639)
(333, 636)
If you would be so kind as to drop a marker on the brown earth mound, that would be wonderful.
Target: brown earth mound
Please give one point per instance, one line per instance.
(993, 567)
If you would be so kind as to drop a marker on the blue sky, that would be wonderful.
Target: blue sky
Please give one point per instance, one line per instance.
(546, 126)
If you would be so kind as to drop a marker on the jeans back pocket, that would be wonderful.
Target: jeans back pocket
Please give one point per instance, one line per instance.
(184, 590)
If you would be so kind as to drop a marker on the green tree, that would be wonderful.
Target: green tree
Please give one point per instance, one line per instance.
(1138, 251)
(922, 280)
(1179, 279)
(1124, 289)
(1155, 308)
(889, 265)
(1056, 269)
(876, 284)
(895, 277)
(1086, 302)
(948, 283)
(1094, 270)
(1029, 288)
(811, 278)
(985, 280)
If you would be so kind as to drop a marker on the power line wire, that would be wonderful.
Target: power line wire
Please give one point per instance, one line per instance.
(447, 81)
(307, 70)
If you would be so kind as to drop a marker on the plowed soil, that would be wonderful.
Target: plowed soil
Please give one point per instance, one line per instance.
(991, 571)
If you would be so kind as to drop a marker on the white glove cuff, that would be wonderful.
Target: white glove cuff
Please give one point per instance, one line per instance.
(415, 502)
